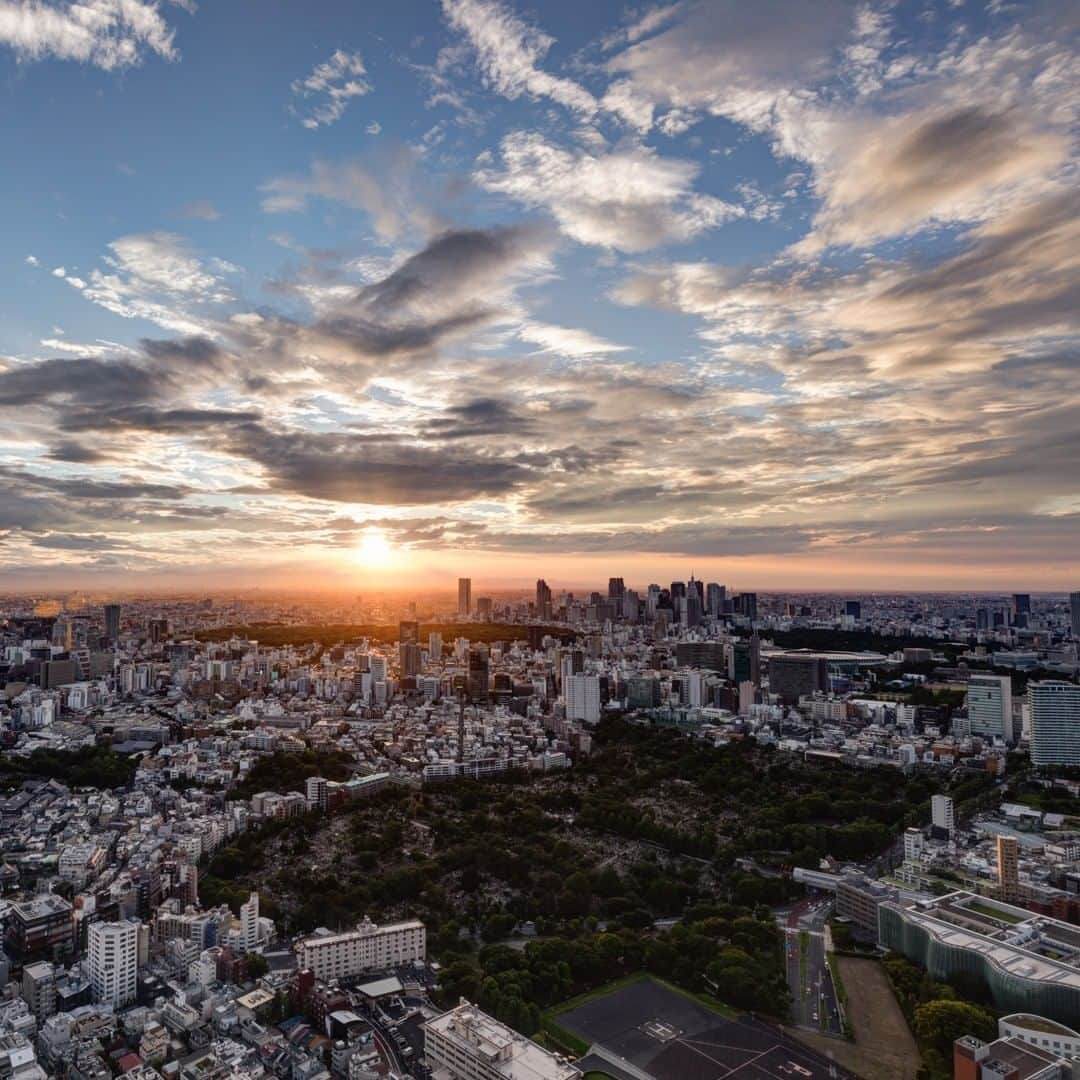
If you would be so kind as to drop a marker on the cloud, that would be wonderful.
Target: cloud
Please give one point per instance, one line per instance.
(155, 276)
(887, 178)
(332, 84)
(509, 52)
(352, 468)
(200, 210)
(382, 188)
(629, 198)
(108, 34)
(727, 58)
(32, 260)
(567, 341)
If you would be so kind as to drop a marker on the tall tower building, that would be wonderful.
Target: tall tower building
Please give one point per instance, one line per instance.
(1055, 722)
(464, 596)
(113, 954)
(989, 706)
(1008, 867)
(942, 819)
(543, 600)
(112, 621)
(249, 922)
(583, 698)
(1074, 614)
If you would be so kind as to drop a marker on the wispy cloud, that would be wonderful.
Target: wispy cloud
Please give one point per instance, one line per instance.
(329, 89)
(109, 34)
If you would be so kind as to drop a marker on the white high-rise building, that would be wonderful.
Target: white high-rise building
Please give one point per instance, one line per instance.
(941, 813)
(249, 923)
(1055, 722)
(583, 698)
(913, 845)
(989, 706)
(113, 955)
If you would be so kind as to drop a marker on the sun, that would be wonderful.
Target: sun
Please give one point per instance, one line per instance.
(374, 549)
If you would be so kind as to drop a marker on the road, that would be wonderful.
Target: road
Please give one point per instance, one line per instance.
(813, 994)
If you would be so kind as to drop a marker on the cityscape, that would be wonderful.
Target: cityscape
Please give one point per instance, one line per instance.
(539, 541)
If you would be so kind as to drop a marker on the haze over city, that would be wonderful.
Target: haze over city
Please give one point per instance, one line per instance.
(784, 294)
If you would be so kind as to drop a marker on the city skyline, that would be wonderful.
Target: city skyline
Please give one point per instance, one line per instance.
(783, 294)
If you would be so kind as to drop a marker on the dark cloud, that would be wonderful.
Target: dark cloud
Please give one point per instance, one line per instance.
(82, 380)
(149, 418)
(346, 467)
(77, 453)
(478, 418)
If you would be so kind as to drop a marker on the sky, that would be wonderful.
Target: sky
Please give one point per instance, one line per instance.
(334, 294)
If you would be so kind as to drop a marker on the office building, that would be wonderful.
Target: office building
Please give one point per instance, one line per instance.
(989, 706)
(410, 660)
(642, 692)
(367, 948)
(1055, 722)
(853, 609)
(467, 1044)
(792, 676)
(39, 929)
(1074, 614)
(710, 655)
(1021, 609)
(113, 959)
(1008, 867)
(942, 820)
(478, 686)
(543, 600)
(112, 622)
(583, 698)
(746, 662)
(464, 596)
(615, 588)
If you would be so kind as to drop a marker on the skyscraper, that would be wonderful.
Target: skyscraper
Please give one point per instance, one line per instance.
(714, 598)
(989, 706)
(464, 596)
(615, 588)
(1055, 722)
(853, 609)
(113, 954)
(112, 621)
(1021, 605)
(1074, 614)
(583, 698)
(478, 675)
(543, 600)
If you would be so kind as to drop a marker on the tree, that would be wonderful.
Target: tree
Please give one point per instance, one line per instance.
(257, 965)
(941, 1023)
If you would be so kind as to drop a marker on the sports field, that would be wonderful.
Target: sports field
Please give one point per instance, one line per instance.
(644, 1030)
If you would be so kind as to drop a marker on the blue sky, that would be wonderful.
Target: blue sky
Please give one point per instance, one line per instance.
(782, 289)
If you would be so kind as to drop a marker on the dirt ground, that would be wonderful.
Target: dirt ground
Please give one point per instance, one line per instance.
(884, 1048)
